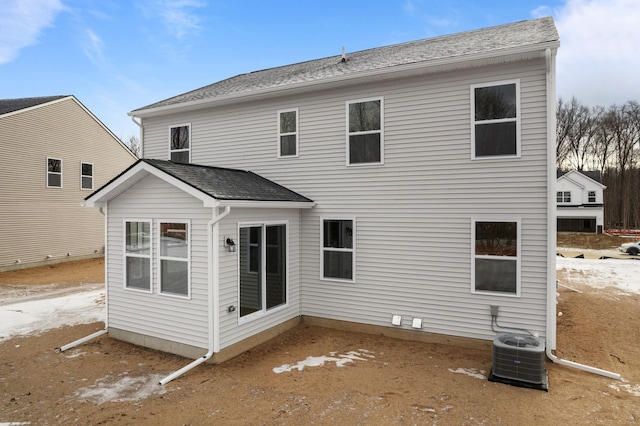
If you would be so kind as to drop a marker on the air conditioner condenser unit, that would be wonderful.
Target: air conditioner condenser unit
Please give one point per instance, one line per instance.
(518, 360)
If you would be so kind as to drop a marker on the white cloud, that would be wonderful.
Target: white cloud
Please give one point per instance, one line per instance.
(179, 15)
(92, 47)
(599, 55)
(21, 22)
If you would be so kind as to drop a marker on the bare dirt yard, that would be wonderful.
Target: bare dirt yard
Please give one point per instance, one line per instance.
(365, 379)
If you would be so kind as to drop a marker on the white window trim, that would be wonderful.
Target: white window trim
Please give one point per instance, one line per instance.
(518, 258)
(125, 255)
(351, 250)
(518, 120)
(296, 133)
(562, 197)
(264, 311)
(381, 131)
(173, 126)
(160, 258)
(82, 163)
(55, 173)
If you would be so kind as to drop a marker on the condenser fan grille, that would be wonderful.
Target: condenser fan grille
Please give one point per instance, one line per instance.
(518, 359)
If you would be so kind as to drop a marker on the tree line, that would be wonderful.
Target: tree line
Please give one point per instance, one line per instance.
(605, 140)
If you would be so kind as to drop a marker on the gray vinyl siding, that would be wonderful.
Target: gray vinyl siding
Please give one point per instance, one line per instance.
(36, 221)
(413, 213)
(232, 329)
(168, 317)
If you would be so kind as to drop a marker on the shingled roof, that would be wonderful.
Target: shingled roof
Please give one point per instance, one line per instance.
(220, 183)
(11, 105)
(498, 40)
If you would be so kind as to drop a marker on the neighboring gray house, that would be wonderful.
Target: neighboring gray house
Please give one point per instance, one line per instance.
(400, 190)
(55, 153)
(580, 199)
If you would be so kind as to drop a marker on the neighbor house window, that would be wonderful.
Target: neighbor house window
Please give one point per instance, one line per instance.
(365, 140)
(137, 249)
(563, 196)
(174, 258)
(592, 196)
(86, 175)
(496, 257)
(495, 120)
(337, 259)
(54, 172)
(180, 144)
(263, 268)
(288, 133)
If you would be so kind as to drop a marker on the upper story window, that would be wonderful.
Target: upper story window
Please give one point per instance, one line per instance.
(54, 172)
(86, 175)
(496, 257)
(288, 133)
(563, 196)
(180, 143)
(365, 132)
(495, 111)
(592, 196)
(337, 260)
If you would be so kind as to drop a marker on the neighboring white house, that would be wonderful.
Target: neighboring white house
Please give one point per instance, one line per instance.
(400, 190)
(580, 198)
(55, 153)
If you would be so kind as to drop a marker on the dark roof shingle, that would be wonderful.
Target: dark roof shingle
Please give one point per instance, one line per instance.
(488, 40)
(227, 184)
(11, 105)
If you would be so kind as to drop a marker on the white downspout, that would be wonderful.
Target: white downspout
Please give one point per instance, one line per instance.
(106, 298)
(212, 227)
(551, 219)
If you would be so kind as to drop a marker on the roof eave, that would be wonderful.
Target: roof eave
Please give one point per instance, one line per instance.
(267, 204)
(423, 67)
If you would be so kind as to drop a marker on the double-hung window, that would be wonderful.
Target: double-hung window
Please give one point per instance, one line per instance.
(288, 133)
(365, 132)
(563, 196)
(592, 196)
(180, 144)
(337, 261)
(86, 175)
(496, 257)
(263, 268)
(174, 258)
(495, 117)
(137, 253)
(54, 172)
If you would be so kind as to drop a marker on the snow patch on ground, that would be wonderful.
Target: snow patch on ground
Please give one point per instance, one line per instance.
(620, 274)
(472, 372)
(36, 316)
(319, 361)
(626, 387)
(120, 389)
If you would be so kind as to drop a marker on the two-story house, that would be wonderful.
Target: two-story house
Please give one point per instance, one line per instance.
(401, 190)
(580, 198)
(55, 153)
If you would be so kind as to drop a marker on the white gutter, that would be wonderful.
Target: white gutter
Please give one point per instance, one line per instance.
(551, 219)
(106, 299)
(212, 228)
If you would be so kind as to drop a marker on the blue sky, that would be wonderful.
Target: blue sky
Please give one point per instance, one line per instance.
(119, 55)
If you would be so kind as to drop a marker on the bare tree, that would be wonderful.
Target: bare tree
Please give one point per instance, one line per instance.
(134, 145)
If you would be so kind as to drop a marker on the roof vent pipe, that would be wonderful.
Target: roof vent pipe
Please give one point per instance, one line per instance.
(344, 57)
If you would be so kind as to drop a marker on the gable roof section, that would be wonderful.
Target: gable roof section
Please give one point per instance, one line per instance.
(516, 38)
(593, 175)
(214, 186)
(18, 104)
